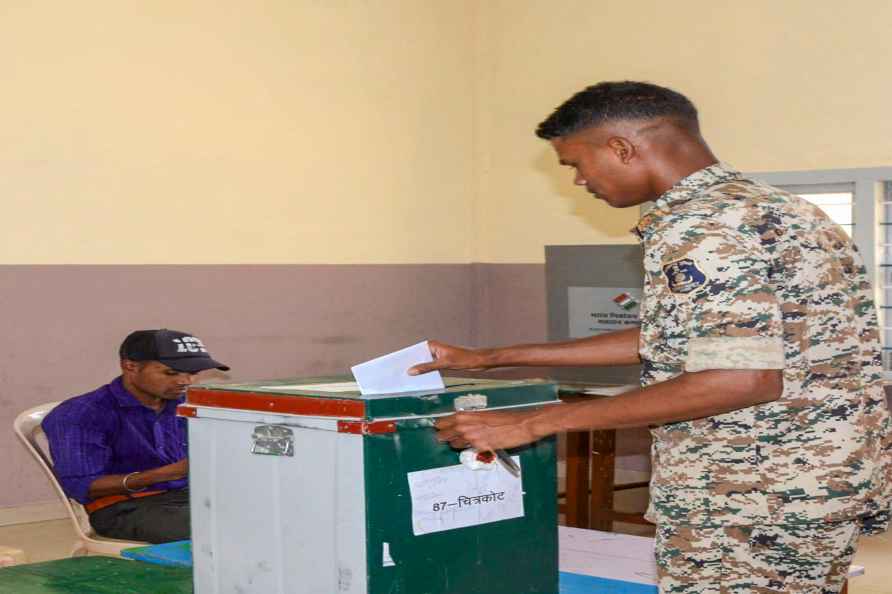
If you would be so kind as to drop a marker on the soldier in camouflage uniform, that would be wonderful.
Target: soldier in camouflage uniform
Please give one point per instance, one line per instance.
(761, 375)
(740, 275)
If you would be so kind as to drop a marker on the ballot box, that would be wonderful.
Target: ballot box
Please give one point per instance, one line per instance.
(308, 487)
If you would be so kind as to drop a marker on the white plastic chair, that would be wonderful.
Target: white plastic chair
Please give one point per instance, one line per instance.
(27, 428)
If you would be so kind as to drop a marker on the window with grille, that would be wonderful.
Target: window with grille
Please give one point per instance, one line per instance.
(837, 205)
(884, 278)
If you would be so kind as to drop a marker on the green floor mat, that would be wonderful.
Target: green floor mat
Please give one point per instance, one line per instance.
(94, 575)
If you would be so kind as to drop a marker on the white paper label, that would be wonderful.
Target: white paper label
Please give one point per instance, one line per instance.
(595, 310)
(386, 559)
(457, 497)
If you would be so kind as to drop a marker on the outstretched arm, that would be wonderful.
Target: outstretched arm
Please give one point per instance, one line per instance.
(614, 348)
(688, 396)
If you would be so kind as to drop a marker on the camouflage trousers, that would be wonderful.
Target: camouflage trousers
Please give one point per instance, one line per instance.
(795, 559)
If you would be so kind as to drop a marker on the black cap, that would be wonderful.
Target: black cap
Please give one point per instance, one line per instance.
(178, 350)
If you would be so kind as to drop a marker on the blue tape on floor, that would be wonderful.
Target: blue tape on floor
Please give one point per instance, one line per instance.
(172, 554)
(574, 583)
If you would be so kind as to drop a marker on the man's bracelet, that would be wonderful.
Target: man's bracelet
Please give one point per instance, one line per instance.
(128, 489)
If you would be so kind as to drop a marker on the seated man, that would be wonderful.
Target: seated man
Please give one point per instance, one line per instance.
(121, 450)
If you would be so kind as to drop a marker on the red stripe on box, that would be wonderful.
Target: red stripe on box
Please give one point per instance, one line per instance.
(187, 411)
(276, 403)
(366, 428)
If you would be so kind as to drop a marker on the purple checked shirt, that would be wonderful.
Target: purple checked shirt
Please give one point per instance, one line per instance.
(108, 431)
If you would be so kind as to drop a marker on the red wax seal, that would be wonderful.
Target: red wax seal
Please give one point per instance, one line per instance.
(486, 457)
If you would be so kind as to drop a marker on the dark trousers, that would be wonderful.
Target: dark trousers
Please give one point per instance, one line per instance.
(154, 519)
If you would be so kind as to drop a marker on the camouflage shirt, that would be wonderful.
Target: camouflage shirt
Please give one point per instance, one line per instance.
(741, 275)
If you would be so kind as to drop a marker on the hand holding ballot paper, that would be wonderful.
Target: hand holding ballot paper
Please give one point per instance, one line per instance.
(388, 374)
(393, 373)
(486, 431)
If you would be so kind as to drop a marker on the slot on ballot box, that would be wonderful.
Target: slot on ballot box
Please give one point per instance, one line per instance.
(306, 486)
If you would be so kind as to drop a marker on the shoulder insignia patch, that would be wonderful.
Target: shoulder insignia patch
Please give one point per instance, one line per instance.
(683, 276)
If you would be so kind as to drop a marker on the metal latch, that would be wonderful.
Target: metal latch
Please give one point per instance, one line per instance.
(273, 440)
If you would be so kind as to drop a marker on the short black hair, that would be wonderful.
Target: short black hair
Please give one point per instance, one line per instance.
(138, 345)
(619, 100)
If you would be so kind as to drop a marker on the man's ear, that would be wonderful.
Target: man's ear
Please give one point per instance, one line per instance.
(128, 365)
(623, 149)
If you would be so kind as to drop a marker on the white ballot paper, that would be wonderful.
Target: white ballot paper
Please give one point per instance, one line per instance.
(457, 497)
(388, 374)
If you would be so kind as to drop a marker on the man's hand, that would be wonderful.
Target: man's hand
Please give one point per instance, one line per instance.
(450, 357)
(487, 430)
(174, 471)
(113, 484)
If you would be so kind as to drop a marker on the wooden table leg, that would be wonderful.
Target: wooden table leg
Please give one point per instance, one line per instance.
(845, 588)
(603, 467)
(577, 509)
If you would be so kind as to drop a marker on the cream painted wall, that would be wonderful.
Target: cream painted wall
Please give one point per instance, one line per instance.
(225, 131)
(397, 131)
(789, 85)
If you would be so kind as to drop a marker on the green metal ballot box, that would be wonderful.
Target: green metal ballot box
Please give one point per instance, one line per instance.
(308, 487)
